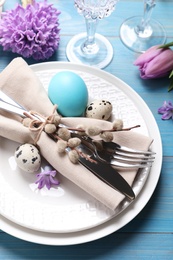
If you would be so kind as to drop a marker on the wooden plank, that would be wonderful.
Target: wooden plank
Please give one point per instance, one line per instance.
(142, 246)
(157, 216)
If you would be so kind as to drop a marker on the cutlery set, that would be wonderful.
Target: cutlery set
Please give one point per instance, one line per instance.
(106, 159)
(116, 155)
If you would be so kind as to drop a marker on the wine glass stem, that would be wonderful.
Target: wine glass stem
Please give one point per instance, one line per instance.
(143, 30)
(90, 47)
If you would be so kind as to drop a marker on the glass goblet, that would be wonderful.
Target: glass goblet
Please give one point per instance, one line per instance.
(91, 48)
(140, 33)
(1, 6)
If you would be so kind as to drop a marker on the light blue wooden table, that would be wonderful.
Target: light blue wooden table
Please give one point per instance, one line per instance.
(150, 234)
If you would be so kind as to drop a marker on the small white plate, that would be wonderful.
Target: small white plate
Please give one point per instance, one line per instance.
(69, 212)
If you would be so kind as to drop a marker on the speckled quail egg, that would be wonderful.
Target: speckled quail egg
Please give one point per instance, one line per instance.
(99, 109)
(27, 157)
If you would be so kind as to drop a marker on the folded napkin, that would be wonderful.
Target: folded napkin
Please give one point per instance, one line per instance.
(20, 83)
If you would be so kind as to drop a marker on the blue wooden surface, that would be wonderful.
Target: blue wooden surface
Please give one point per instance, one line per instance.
(150, 234)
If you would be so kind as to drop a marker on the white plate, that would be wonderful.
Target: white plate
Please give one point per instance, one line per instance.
(68, 211)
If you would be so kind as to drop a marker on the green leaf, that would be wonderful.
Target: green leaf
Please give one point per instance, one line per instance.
(171, 83)
(167, 45)
(171, 74)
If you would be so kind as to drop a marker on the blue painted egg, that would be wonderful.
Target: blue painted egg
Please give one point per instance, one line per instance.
(69, 91)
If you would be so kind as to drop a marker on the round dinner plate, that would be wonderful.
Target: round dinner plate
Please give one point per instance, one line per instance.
(77, 217)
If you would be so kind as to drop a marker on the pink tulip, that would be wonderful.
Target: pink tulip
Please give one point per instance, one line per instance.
(155, 62)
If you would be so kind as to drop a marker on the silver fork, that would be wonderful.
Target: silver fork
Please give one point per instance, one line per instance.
(119, 156)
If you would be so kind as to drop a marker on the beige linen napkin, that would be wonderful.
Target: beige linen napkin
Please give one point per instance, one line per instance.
(20, 83)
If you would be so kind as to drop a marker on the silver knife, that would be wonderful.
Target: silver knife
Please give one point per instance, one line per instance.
(103, 171)
(109, 175)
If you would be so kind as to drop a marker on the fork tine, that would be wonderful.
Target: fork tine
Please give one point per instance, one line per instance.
(132, 155)
(123, 161)
(133, 159)
(126, 165)
(133, 151)
(126, 162)
(111, 146)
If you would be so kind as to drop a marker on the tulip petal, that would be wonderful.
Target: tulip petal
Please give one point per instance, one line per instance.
(161, 65)
(148, 55)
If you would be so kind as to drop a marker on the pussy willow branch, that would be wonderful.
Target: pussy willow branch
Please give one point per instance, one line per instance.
(81, 154)
(106, 130)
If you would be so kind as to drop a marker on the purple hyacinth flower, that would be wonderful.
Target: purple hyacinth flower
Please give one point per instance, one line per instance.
(32, 31)
(166, 110)
(47, 178)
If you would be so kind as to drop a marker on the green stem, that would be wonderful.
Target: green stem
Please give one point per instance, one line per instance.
(171, 83)
(167, 45)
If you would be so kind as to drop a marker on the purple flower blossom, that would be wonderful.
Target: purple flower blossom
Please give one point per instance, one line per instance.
(155, 62)
(46, 177)
(166, 110)
(32, 31)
